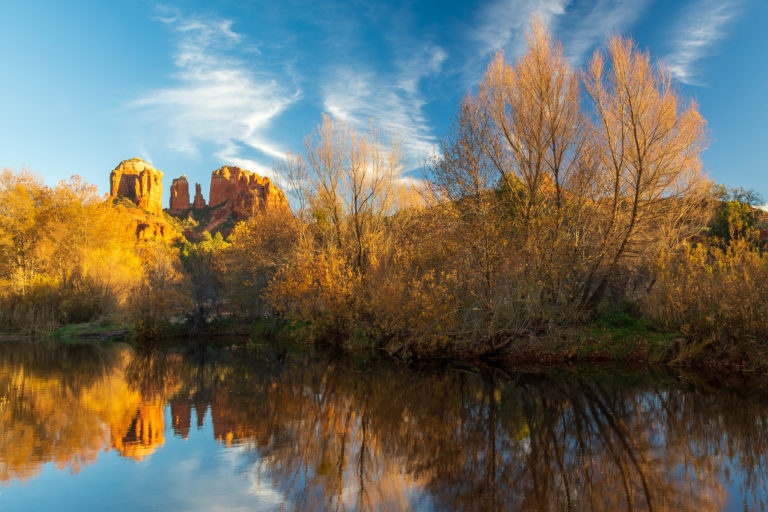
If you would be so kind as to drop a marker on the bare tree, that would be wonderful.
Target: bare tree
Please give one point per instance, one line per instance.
(352, 177)
(648, 143)
(535, 128)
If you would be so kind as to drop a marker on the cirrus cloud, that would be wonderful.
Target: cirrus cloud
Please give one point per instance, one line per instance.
(217, 98)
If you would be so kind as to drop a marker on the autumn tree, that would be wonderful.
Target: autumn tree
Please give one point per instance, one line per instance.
(647, 141)
(552, 202)
(67, 256)
(530, 124)
(160, 292)
(259, 248)
(351, 177)
(344, 185)
(202, 266)
(24, 206)
(514, 167)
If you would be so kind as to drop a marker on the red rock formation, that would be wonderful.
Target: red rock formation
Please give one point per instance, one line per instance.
(247, 192)
(139, 182)
(149, 226)
(180, 194)
(199, 201)
(144, 433)
(147, 229)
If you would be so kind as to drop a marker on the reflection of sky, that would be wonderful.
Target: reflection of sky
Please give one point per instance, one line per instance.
(203, 474)
(307, 495)
(193, 474)
(736, 499)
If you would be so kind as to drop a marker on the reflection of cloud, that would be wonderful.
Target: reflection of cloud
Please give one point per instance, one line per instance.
(700, 29)
(395, 103)
(217, 99)
(262, 487)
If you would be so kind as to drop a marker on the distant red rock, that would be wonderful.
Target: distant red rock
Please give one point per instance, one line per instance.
(148, 226)
(180, 194)
(138, 181)
(149, 229)
(199, 201)
(247, 192)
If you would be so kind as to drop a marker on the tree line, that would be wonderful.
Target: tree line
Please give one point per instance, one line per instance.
(558, 193)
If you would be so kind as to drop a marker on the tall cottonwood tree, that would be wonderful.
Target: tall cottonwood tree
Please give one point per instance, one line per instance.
(24, 211)
(647, 141)
(572, 197)
(514, 168)
(351, 178)
(534, 128)
(343, 185)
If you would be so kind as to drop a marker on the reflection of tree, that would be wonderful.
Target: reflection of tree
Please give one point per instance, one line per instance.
(65, 403)
(330, 437)
(334, 436)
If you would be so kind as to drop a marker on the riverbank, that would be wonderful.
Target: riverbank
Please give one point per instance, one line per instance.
(617, 337)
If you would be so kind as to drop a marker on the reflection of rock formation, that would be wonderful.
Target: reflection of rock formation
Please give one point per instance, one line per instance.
(181, 412)
(179, 194)
(140, 182)
(200, 409)
(327, 437)
(247, 192)
(143, 435)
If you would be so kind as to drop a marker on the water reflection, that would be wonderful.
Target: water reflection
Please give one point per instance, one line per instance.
(329, 435)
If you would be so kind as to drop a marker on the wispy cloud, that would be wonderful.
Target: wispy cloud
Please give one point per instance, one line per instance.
(589, 24)
(699, 30)
(580, 25)
(394, 101)
(218, 100)
(502, 24)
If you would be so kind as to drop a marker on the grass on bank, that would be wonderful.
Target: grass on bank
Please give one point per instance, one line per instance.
(617, 335)
(620, 335)
(92, 331)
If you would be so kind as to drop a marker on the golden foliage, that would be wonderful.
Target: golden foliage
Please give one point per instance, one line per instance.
(319, 288)
(159, 293)
(66, 256)
(259, 247)
(536, 208)
(712, 294)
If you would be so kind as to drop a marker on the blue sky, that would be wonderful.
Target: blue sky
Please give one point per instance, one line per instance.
(192, 85)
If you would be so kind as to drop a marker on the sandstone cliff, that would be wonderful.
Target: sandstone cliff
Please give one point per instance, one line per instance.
(199, 201)
(180, 194)
(247, 192)
(235, 194)
(148, 226)
(138, 181)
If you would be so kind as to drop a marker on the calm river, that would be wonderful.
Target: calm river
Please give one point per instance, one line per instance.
(101, 427)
